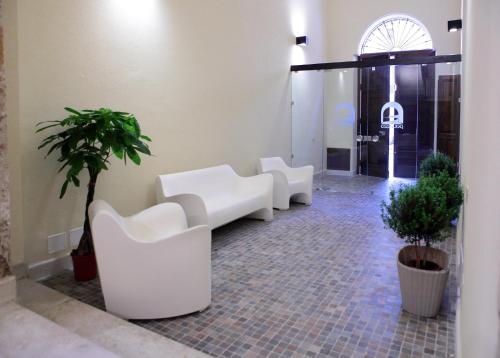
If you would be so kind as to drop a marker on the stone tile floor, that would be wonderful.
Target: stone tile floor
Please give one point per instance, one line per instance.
(318, 281)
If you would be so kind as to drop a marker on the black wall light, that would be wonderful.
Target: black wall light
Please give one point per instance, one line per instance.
(301, 40)
(454, 25)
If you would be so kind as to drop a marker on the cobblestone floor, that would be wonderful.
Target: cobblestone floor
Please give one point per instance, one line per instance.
(318, 281)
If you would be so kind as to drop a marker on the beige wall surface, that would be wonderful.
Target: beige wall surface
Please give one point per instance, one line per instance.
(347, 21)
(208, 80)
(479, 307)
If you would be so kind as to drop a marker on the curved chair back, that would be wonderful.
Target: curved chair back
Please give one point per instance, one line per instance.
(108, 231)
(150, 264)
(273, 163)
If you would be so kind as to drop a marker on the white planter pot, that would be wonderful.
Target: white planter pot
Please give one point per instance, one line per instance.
(422, 290)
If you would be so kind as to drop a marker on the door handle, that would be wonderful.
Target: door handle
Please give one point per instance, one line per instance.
(367, 138)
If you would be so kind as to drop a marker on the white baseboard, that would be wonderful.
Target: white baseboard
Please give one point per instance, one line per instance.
(44, 269)
(20, 271)
(346, 173)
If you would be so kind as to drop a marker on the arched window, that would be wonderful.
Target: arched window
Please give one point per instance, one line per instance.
(395, 33)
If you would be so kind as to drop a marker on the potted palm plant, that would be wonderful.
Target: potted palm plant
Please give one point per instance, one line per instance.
(85, 142)
(421, 215)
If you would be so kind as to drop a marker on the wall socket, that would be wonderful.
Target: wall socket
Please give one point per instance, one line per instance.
(74, 237)
(56, 243)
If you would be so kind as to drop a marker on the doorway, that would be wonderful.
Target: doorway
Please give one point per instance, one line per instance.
(448, 128)
(390, 148)
(367, 116)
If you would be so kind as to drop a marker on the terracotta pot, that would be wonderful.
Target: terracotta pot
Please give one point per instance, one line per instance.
(84, 267)
(422, 290)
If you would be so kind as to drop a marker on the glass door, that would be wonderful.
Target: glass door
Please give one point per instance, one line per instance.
(307, 120)
(374, 116)
(377, 121)
(340, 97)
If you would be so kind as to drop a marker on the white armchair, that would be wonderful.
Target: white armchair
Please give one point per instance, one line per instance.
(151, 265)
(289, 183)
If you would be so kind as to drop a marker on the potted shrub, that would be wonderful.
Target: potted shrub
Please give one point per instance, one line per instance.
(442, 166)
(85, 142)
(421, 216)
(437, 163)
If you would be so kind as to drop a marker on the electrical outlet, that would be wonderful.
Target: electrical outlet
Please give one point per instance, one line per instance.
(56, 243)
(74, 237)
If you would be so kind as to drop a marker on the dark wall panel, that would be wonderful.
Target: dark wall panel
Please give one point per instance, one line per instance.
(338, 159)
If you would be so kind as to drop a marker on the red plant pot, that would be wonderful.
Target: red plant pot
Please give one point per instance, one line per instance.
(84, 267)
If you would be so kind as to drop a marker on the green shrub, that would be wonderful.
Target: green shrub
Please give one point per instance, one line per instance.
(437, 163)
(452, 189)
(422, 214)
(417, 214)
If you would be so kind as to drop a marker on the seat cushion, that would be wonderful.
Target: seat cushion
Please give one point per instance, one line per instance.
(297, 186)
(229, 208)
(156, 223)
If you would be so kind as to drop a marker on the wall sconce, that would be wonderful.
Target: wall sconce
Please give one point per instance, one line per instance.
(301, 41)
(454, 25)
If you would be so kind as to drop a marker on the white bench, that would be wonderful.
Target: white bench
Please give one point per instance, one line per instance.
(289, 183)
(217, 195)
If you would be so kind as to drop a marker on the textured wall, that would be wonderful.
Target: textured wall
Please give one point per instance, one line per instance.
(4, 189)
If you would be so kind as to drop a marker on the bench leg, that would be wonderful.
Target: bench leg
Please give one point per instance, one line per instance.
(262, 214)
(302, 198)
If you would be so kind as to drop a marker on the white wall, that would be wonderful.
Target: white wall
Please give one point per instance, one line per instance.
(347, 21)
(307, 120)
(209, 81)
(478, 312)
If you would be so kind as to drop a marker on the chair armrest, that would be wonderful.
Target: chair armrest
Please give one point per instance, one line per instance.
(308, 170)
(176, 252)
(279, 178)
(193, 205)
(196, 233)
(258, 180)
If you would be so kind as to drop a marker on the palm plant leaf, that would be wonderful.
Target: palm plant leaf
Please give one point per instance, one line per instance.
(86, 140)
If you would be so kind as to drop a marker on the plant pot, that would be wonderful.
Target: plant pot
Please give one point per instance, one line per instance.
(84, 267)
(422, 290)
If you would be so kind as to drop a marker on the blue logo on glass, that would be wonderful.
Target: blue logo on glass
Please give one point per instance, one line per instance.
(345, 114)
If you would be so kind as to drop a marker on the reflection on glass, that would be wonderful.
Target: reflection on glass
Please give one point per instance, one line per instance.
(378, 121)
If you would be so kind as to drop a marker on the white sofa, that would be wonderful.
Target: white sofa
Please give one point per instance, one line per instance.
(289, 183)
(151, 265)
(218, 195)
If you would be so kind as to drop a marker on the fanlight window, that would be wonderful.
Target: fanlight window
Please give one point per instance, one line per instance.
(395, 33)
